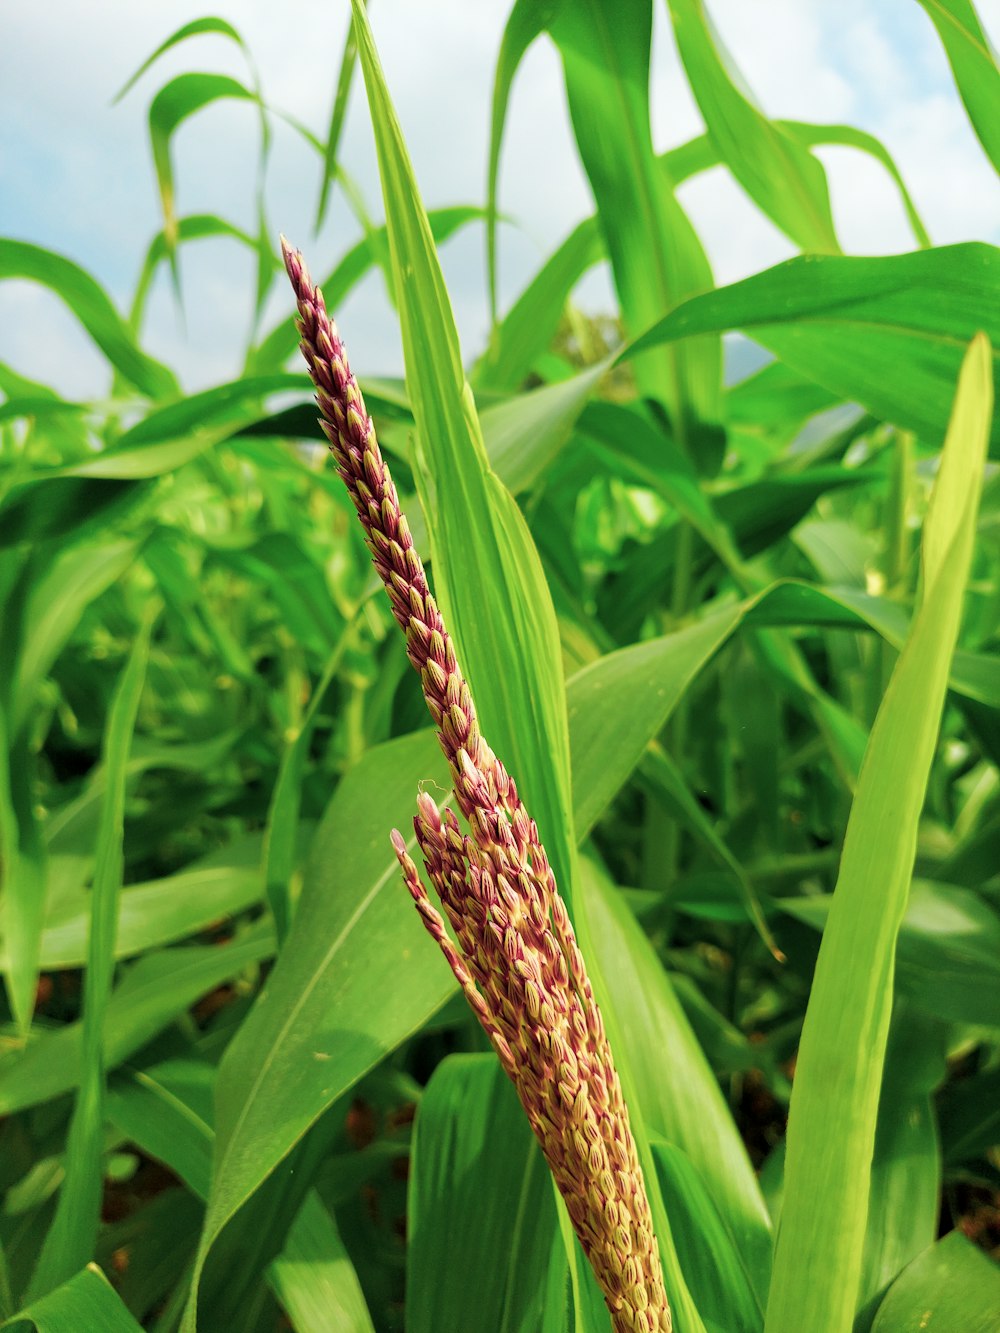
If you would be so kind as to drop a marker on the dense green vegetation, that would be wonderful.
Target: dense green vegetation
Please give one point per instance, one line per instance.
(738, 646)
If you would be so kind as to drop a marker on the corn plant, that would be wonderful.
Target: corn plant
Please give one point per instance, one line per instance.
(710, 801)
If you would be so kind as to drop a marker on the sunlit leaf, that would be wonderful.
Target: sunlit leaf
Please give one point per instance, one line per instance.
(885, 332)
(839, 1070)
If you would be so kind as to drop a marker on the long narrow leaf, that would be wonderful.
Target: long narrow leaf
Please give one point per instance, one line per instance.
(86, 1301)
(885, 332)
(487, 572)
(92, 307)
(834, 1105)
(656, 257)
(776, 170)
(173, 104)
(973, 65)
(71, 1240)
(194, 29)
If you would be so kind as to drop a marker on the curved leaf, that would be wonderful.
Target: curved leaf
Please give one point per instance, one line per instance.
(86, 1301)
(193, 29)
(887, 332)
(92, 307)
(778, 173)
(173, 104)
(196, 227)
(951, 1288)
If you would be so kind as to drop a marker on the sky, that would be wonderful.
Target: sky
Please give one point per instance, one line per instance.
(76, 174)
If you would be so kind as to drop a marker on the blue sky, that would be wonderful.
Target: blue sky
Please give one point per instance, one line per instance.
(76, 176)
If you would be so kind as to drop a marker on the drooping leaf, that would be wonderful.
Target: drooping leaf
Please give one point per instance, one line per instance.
(196, 227)
(88, 301)
(781, 176)
(182, 97)
(209, 24)
(886, 332)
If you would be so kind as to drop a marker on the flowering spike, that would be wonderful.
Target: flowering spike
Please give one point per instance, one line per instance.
(519, 965)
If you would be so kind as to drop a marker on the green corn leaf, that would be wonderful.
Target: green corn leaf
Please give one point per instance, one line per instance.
(662, 1063)
(194, 29)
(278, 345)
(887, 332)
(951, 1288)
(780, 175)
(40, 615)
(166, 1110)
(88, 301)
(71, 1240)
(948, 953)
(338, 114)
(283, 813)
(709, 1257)
(23, 877)
(155, 990)
(846, 136)
(176, 101)
(524, 434)
(86, 1301)
(196, 227)
(313, 1277)
(64, 507)
(831, 1127)
(974, 66)
(702, 153)
(57, 590)
(903, 1214)
(157, 912)
(656, 257)
(326, 1015)
(481, 1207)
(487, 572)
(528, 328)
